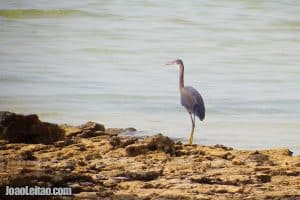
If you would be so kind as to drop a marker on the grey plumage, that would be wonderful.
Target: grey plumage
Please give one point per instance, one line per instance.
(190, 98)
(192, 101)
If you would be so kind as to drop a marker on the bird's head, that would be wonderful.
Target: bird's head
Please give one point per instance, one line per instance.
(175, 62)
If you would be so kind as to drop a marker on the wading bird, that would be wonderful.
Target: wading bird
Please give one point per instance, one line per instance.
(190, 98)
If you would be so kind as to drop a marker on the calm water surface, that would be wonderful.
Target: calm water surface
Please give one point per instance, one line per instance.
(73, 61)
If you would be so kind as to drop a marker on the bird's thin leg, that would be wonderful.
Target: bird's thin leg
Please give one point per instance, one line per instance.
(193, 127)
(194, 120)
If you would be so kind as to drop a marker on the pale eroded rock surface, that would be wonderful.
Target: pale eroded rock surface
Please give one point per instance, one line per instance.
(101, 164)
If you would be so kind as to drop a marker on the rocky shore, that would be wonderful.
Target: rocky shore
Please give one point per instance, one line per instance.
(104, 163)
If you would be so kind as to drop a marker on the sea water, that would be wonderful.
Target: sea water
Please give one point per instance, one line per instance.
(104, 61)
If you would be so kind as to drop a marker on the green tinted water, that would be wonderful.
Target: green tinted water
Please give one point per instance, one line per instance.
(73, 61)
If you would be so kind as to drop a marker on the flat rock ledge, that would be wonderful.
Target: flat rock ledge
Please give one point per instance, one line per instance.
(103, 163)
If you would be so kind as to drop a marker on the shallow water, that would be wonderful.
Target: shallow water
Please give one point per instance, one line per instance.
(73, 61)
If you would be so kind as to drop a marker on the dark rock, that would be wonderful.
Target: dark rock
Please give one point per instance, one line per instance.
(136, 149)
(292, 173)
(284, 172)
(127, 141)
(82, 148)
(141, 175)
(160, 142)
(257, 158)
(92, 156)
(153, 143)
(206, 180)
(33, 179)
(64, 143)
(70, 165)
(97, 166)
(6, 117)
(92, 126)
(75, 177)
(223, 147)
(76, 188)
(221, 181)
(88, 134)
(91, 129)
(44, 179)
(28, 129)
(115, 141)
(263, 178)
(28, 155)
(81, 163)
(118, 142)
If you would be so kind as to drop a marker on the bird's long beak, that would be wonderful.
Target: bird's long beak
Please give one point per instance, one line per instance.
(170, 63)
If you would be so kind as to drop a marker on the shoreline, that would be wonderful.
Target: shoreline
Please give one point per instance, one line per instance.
(99, 162)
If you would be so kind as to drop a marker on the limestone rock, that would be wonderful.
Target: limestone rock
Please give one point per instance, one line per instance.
(70, 131)
(106, 164)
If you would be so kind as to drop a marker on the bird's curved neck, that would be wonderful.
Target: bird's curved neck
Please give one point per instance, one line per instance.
(181, 76)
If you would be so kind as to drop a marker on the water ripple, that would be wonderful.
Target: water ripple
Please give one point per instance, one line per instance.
(36, 13)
